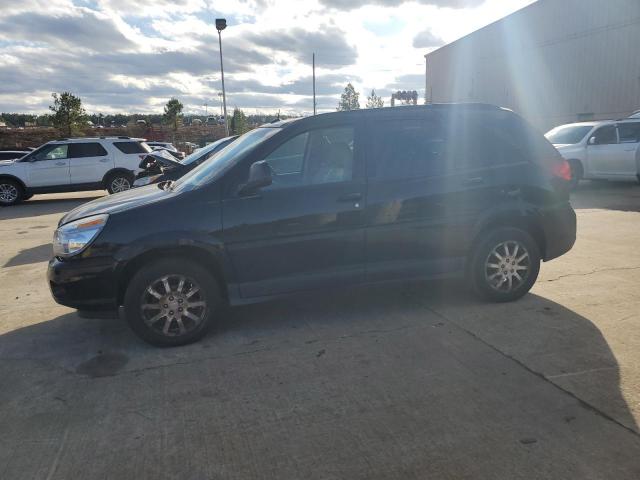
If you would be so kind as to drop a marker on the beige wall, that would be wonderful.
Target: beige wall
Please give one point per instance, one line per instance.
(553, 62)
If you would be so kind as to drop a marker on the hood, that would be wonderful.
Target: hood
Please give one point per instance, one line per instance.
(119, 202)
(161, 158)
(4, 163)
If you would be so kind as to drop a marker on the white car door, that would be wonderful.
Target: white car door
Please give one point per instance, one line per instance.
(629, 135)
(49, 167)
(88, 162)
(603, 151)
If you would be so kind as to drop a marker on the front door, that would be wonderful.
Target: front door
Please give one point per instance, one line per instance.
(306, 230)
(50, 167)
(604, 152)
(88, 162)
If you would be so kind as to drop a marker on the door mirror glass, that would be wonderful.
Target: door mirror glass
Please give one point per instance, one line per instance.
(259, 176)
(592, 140)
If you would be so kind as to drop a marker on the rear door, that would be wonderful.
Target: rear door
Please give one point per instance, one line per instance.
(626, 164)
(50, 167)
(88, 162)
(306, 230)
(431, 179)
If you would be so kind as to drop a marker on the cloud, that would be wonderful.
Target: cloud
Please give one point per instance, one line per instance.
(85, 29)
(330, 45)
(427, 39)
(353, 4)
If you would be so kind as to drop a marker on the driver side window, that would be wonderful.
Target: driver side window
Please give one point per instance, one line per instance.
(314, 157)
(606, 135)
(55, 152)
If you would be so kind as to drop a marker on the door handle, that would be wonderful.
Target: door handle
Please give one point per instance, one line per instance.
(473, 181)
(350, 197)
(104, 160)
(61, 164)
(629, 149)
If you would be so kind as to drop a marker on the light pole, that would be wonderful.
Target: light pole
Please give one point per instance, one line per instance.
(221, 24)
(220, 100)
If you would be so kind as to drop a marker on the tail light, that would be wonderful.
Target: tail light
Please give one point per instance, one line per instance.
(561, 169)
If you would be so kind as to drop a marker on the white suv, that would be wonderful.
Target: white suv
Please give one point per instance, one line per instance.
(608, 150)
(70, 165)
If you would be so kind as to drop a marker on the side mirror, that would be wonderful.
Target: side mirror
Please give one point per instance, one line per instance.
(259, 176)
(592, 140)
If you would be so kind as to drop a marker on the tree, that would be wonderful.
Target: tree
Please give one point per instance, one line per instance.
(374, 101)
(238, 124)
(68, 114)
(173, 113)
(349, 99)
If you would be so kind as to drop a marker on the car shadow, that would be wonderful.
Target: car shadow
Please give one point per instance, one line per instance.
(541, 336)
(41, 253)
(36, 206)
(602, 194)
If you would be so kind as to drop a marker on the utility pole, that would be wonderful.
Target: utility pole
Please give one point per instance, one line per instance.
(221, 24)
(314, 82)
(205, 109)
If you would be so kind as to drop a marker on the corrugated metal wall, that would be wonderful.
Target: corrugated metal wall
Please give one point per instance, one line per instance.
(554, 62)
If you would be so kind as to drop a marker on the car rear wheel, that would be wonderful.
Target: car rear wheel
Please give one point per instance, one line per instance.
(10, 192)
(505, 265)
(172, 302)
(119, 182)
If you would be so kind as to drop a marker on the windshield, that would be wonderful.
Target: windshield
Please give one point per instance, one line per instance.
(207, 171)
(205, 151)
(568, 134)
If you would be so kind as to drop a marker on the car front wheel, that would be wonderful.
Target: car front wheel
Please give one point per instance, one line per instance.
(172, 302)
(505, 264)
(10, 192)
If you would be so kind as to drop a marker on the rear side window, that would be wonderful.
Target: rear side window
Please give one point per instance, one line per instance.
(80, 150)
(629, 132)
(408, 148)
(486, 139)
(132, 147)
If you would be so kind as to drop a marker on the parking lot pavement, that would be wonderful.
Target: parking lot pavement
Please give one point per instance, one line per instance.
(411, 381)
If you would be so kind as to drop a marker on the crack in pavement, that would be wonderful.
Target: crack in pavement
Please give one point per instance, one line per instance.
(542, 376)
(584, 274)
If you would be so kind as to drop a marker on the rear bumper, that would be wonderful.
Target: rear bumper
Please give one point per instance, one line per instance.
(87, 284)
(559, 225)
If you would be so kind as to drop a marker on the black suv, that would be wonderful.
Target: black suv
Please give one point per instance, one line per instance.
(331, 200)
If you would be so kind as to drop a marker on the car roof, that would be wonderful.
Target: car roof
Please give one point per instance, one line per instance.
(97, 139)
(383, 112)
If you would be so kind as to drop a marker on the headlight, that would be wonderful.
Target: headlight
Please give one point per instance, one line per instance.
(74, 237)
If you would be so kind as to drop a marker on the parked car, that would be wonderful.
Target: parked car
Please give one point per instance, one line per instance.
(606, 150)
(159, 166)
(331, 200)
(167, 146)
(12, 154)
(635, 114)
(70, 165)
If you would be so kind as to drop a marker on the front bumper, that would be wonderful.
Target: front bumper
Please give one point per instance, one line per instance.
(559, 225)
(84, 283)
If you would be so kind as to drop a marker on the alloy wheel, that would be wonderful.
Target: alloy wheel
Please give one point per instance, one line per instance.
(8, 193)
(173, 305)
(120, 184)
(507, 266)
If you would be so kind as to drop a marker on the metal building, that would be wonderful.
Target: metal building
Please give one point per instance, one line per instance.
(554, 62)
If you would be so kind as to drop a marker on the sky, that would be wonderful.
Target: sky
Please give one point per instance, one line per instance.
(131, 56)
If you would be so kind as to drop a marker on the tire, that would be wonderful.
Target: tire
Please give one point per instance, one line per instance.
(11, 192)
(487, 272)
(577, 172)
(119, 182)
(142, 305)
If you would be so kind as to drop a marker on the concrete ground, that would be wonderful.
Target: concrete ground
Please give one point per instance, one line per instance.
(398, 382)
